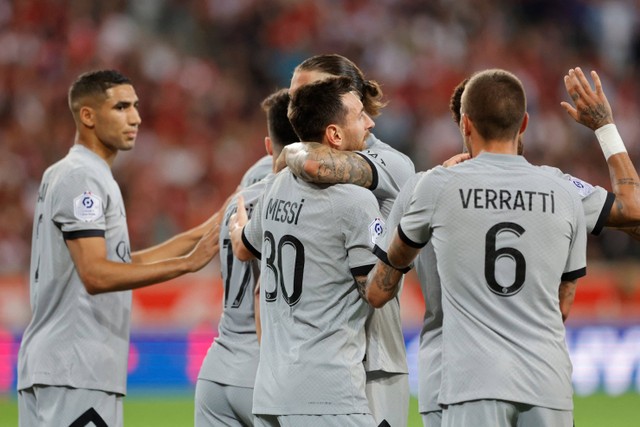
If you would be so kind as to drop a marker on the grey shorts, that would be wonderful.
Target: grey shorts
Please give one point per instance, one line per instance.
(350, 420)
(54, 406)
(388, 396)
(222, 405)
(500, 413)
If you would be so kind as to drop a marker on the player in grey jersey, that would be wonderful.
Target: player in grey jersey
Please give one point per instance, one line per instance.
(597, 204)
(224, 390)
(314, 240)
(528, 382)
(72, 364)
(383, 170)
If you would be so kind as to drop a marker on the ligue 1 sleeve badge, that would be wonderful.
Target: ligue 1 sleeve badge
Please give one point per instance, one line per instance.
(87, 207)
(375, 229)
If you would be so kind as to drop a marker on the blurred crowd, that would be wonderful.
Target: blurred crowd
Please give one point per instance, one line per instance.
(201, 68)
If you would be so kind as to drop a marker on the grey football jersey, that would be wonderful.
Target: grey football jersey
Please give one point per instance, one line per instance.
(312, 241)
(505, 233)
(75, 339)
(233, 356)
(596, 201)
(257, 171)
(385, 340)
(430, 351)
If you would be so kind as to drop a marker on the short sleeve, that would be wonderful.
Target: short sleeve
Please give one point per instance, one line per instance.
(362, 226)
(78, 206)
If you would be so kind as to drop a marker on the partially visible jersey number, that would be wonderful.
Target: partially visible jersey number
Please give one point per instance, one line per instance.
(246, 277)
(274, 263)
(493, 255)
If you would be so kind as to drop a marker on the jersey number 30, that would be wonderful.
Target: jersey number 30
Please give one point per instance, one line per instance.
(274, 263)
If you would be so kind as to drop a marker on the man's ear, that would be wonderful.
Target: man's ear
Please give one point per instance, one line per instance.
(87, 116)
(333, 135)
(268, 145)
(465, 125)
(525, 122)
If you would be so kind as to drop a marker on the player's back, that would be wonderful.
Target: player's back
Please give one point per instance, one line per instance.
(233, 356)
(314, 240)
(505, 234)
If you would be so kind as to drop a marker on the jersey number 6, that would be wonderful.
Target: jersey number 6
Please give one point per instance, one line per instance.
(492, 255)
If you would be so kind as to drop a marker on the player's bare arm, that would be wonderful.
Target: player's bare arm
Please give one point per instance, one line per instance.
(399, 253)
(592, 109)
(382, 284)
(319, 163)
(237, 222)
(99, 274)
(567, 294)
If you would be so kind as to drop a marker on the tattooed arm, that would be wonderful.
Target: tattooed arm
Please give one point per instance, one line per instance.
(592, 110)
(567, 293)
(381, 285)
(321, 164)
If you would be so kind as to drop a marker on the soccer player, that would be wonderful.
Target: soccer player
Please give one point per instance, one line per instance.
(507, 279)
(72, 364)
(592, 111)
(224, 390)
(315, 246)
(383, 170)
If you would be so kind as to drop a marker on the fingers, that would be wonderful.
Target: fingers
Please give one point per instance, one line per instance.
(458, 158)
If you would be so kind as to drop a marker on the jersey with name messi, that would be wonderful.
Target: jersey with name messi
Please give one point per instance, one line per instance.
(505, 234)
(312, 241)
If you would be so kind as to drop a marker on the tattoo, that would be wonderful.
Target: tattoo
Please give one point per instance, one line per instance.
(627, 181)
(594, 116)
(390, 280)
(325, 165)
(361, 282)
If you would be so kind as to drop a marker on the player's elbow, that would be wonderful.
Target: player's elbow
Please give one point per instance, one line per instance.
(376, 301)
(93, 284)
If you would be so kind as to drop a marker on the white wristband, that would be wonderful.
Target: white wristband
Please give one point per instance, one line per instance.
(610, 140)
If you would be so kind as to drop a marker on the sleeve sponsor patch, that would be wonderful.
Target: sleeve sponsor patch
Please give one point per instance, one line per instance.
(87, 207)
(584, 188)
(375, 229)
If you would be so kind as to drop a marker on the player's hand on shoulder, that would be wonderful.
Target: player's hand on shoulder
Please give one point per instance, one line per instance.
(458, 158)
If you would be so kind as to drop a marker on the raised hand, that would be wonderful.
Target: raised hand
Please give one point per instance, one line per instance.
(592, 108)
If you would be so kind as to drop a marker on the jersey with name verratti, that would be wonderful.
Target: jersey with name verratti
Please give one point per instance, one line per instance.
(75, 339)
(505, 234)
(385, 340)
(233, 356)
(596, 203)
(312, 241)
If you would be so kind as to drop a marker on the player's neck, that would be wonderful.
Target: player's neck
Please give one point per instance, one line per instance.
(94, 144)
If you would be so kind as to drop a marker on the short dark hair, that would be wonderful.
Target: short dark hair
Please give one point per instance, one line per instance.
(94, 84)
(495, 101)
(339, 66)
(280, 130)
(315, 106)
(455, 103)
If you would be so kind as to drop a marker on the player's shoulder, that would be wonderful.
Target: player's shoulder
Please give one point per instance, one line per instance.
(257, 171)
(376, 146)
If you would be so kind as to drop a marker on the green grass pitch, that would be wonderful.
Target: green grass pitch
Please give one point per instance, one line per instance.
(177, 411)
